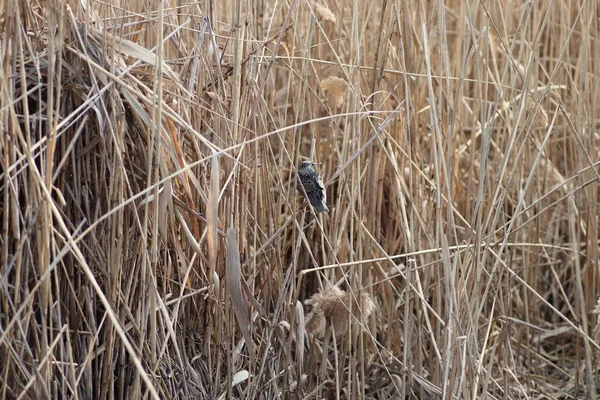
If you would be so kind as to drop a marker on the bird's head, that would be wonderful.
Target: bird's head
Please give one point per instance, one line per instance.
(306, 164)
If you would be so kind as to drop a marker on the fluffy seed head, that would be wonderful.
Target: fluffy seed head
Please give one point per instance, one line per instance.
(338, 307)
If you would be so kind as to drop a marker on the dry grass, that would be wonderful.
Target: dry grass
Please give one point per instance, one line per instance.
(154, 245)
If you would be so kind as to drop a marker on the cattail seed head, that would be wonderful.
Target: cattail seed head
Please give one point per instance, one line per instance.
(338, 307)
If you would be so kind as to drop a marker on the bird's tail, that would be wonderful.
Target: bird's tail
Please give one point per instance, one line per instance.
(322, 207)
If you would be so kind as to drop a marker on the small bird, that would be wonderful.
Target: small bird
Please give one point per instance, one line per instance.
(313, 186)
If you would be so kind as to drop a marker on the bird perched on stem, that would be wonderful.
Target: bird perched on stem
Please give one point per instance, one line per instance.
(311, 182)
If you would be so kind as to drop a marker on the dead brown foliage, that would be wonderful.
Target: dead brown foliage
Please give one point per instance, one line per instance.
(153, 243)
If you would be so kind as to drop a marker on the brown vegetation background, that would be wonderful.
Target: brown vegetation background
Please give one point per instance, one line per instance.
(154, 245)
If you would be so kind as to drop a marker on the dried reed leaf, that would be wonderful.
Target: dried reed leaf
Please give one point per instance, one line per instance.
(294, 384)
(194, 380)
(216, 284)
(301, 332)
(596, 332)
(284, 325)
(334, 306)
(188, 234)
(212, 209)
(251, 299)
(335, 88)
(132, 49)
(234, 286)
(138, 110)
(324, 13)
(180, 158)
(240, 377)
(165, 203)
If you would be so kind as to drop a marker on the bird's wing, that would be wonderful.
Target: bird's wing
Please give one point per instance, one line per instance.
(321, 189)
(307, 180)
(320, 182)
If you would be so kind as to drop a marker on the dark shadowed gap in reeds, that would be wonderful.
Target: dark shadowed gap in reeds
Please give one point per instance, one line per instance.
(154, 244)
